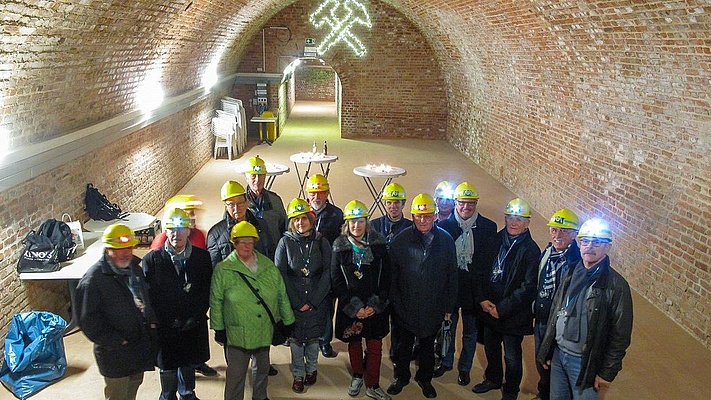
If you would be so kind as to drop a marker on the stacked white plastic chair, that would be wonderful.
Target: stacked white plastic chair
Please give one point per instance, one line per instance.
(224, 127)
(234, 106)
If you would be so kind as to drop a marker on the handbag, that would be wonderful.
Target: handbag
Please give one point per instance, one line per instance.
(443, 338)
(280, 332)
(40, 254)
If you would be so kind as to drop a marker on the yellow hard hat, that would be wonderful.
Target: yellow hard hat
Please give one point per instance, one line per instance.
(176, 218)
(466, 191)
(184, 201)
(243, 229)
(297, 207)
(518, 206)
(595, 228)
(355, 209)
(564, 218)
(317, 183)
(231, 189)
(118, 236)
(394, 191)
(256, 166)
(423, 203)
(444, 190)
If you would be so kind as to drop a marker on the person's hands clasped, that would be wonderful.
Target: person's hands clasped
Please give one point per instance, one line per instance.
(490, 308)
(365, 312)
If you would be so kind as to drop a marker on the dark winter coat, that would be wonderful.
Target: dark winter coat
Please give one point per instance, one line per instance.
(372, 289)
(182, 313)
(218, 238)
(520, 279)
(424, 284)
(272, 212)
(542, 306)
(329, 221)
(108, 316)
(483, 234)
(310, 288)
(609, 304)
(389, 229)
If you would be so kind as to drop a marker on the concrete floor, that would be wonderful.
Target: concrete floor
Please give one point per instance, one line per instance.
(663, 362)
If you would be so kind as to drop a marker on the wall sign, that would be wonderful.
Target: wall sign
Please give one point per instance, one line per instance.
(340, 16)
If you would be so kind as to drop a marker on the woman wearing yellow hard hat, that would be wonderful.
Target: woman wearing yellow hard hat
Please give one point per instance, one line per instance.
(304, 259)
(247, 291)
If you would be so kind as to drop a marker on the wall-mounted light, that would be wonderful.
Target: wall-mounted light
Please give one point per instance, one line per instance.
(150, 94)
(209, 78)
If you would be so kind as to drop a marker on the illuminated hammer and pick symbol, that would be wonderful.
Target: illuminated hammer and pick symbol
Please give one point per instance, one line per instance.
(341, 15)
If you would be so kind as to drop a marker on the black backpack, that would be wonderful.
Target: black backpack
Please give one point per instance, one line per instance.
(60, 235)
(99, 207)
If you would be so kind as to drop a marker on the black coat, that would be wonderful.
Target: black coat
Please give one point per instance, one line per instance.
(389, 229)
(329, 221)
(424, 286)
(220, 246)
(312, 289)
(520, 278)
(182, 314)
(108, 315)
(609, 304)
(542, 306)
(483, 235)
(372, 289)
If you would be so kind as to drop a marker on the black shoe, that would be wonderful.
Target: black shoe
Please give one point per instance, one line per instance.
(485, 387)
(427, 389)
(396, 387)
(439, 371)
(463, 378)
(327, 351)
(205, 370)
(273, 371)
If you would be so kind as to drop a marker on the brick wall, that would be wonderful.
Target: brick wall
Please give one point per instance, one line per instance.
(138, 172)
(315, 84)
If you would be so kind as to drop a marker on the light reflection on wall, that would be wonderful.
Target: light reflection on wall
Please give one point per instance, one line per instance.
(150, 94)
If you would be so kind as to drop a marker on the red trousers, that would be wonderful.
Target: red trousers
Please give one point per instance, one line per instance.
(372, 361)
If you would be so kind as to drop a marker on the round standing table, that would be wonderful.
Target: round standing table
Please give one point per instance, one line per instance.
(368, 172)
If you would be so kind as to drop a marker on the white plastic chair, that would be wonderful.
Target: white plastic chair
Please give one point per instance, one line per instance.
(224, 129)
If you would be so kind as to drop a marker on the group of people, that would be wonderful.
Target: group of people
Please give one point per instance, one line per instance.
(312, 262)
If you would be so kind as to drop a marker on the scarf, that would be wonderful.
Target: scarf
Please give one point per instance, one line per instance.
(465, 242)
(552, 271)
(134, 285)
(179, 259)
(362, 254)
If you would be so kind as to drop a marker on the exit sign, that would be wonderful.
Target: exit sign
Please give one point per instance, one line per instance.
(310, 41)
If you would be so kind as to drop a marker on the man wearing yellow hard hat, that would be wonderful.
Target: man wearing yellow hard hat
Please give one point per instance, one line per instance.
(234, 198)
(115, 313)
(561, 253)
(423, 294)
(472, 234)
(507, 288)
(178, 276)
(394, 221)
(188, 203)
(590, 323)
(264, 203)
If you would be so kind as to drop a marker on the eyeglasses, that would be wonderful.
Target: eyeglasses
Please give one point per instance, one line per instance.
(245, 241)
(555, 231)
(593, 242)
(516, 218)
(233, 205)
(462, 203)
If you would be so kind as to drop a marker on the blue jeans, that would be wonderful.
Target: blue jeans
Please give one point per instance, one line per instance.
(544, 382)
(469, 333)
(565, 369)
(181, 380)
(513, 356)
(304, 357)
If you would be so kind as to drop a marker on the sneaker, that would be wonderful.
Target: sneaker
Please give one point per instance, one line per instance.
(298, 385)
(376, 393)
(205, 370)
(354, 388)
(310, 378)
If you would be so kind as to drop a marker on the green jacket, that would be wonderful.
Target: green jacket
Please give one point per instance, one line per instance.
(234, 307)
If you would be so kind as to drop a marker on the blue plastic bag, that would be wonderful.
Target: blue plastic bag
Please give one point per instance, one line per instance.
(34, 353)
